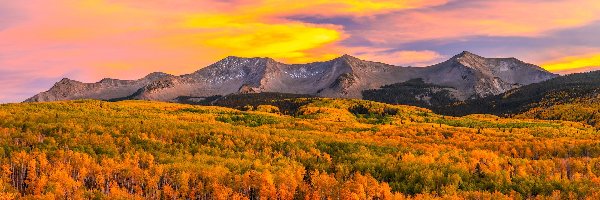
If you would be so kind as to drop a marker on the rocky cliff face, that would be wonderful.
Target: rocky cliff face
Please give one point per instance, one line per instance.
(106, 89)
(475, 76)
(470, 75)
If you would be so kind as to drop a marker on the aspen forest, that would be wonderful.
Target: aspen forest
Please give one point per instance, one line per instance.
(326, 149)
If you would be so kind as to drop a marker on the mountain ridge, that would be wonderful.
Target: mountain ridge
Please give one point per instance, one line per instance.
(343, 77)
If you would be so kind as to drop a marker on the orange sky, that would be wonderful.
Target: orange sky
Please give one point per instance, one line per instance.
(45, 40)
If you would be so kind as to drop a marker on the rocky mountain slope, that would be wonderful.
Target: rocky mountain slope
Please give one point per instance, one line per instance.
(476, 76)
(106, 89)
(574, 97)
(470, 75)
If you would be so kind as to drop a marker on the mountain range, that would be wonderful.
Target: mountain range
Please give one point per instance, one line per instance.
(463, 77)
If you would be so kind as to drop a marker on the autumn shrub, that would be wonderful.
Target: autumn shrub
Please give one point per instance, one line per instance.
(267, 108)
(251, 120)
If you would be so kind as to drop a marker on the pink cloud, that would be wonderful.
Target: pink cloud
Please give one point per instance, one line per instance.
(483, 18)
(401, 58)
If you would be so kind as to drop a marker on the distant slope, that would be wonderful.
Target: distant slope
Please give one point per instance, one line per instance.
(286, 103)
(572, 97)
(345, 77)
(584, 110)
(106, 89)
(413, 92)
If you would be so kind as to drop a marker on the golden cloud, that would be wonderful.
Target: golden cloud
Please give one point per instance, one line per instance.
(340, 7)
(573, 63)
(284, 7)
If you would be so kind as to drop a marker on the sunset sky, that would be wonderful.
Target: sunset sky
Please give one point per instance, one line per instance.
(42, 41)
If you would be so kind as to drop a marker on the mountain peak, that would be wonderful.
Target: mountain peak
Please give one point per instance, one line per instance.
(467, 54)
(350, 60)
(65, 81)
(347, 57)
(230, 58)
(156, 75)
(231, 61)
(234, 58)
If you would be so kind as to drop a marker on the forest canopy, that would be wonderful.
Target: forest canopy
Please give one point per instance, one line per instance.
(326, 149)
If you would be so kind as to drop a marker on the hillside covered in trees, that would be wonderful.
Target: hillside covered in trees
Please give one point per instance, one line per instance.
(329, 149)
(414, 92)
(574, 97)
(585, 110)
